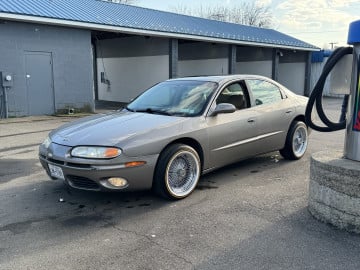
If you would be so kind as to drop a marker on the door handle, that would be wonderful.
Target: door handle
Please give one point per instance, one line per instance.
(251, 120)
(289, 111)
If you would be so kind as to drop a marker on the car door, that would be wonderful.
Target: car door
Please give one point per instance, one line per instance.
(231, 135)
(274, 111)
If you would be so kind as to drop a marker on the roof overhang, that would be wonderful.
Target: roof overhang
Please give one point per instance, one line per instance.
(138, 31)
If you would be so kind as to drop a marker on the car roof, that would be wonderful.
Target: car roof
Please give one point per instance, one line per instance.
(221, 78)
(224, 79)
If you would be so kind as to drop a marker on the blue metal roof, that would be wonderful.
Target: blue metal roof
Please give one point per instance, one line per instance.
(96, 13)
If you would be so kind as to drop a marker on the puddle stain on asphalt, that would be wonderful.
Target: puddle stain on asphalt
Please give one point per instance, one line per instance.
(109, 205)
(207, 184)
(23, 226)
(85, 220)
(144, 204)
(203, 187)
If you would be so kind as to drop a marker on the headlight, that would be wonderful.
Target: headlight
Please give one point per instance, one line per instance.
(47, 142)
(95, 152)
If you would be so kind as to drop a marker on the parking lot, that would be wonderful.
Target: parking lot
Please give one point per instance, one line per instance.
(250, 215)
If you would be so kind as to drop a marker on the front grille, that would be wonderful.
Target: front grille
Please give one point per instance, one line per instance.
(55, 161)
(78, 165)
(82, 182)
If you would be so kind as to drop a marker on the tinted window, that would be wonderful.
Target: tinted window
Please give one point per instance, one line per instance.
(264, 92)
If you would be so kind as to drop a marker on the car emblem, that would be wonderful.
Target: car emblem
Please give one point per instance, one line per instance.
(50, 155)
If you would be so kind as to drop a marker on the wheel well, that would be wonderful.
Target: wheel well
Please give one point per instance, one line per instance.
(194, 144)
(297, 118)
(300, 118)
(190, 142)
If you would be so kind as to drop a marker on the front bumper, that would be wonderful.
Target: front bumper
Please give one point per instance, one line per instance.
(91, 174)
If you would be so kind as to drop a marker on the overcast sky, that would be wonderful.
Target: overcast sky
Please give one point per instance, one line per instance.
(319, 22)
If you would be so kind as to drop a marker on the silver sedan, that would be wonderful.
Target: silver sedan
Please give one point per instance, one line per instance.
(176, 131)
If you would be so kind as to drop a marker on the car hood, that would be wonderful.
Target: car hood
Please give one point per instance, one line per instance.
(112, 129)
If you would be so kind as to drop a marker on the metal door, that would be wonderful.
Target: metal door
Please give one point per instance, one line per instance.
(39, 81)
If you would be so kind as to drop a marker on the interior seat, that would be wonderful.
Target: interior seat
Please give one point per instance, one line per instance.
(238, 101)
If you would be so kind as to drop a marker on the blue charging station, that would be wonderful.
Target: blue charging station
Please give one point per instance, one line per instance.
(352, 138)
(334, 186)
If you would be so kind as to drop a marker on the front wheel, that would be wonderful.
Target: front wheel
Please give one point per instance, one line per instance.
(177, 172)
(296, 141)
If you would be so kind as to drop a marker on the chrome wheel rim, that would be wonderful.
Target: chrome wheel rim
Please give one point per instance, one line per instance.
(182, 173)
(300, 141)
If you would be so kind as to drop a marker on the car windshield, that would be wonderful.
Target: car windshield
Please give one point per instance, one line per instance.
(178, 97)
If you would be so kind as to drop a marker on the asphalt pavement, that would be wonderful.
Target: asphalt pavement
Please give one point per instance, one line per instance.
(250, 215)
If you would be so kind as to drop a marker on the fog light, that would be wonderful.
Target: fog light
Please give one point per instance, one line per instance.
(117, 181)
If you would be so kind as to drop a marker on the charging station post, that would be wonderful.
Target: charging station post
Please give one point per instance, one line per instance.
(334, 189)
(352, 138)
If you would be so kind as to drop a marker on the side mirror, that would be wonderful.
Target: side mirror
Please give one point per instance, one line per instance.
(223, 108)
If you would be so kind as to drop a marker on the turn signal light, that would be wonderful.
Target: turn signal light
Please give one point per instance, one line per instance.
(134, 164)
(111, 152)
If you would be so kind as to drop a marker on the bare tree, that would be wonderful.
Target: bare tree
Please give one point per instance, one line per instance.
(247, 13)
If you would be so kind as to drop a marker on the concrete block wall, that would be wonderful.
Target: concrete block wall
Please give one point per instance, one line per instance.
(72, 63)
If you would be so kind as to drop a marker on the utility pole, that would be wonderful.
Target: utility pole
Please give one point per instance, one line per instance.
(332, 44)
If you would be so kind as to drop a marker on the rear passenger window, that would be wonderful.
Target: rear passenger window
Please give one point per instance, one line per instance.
(264, 92)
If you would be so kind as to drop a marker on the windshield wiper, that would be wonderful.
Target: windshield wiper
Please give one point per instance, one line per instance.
(153, 111)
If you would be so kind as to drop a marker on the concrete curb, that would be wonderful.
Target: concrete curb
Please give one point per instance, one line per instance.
(334, 190)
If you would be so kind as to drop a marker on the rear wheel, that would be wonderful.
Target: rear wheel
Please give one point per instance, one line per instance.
(296, 141)
(177, 172)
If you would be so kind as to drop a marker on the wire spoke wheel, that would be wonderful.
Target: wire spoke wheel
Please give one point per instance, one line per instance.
(178, 171)
(182, 173)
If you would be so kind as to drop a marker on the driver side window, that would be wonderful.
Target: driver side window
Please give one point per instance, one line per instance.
(234, 94)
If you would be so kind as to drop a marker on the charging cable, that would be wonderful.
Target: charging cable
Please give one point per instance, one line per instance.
(317, 93)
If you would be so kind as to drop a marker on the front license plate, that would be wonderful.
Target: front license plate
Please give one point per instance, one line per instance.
(56, 171)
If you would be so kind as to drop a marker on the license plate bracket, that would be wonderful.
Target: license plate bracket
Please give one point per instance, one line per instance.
(56, 171)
